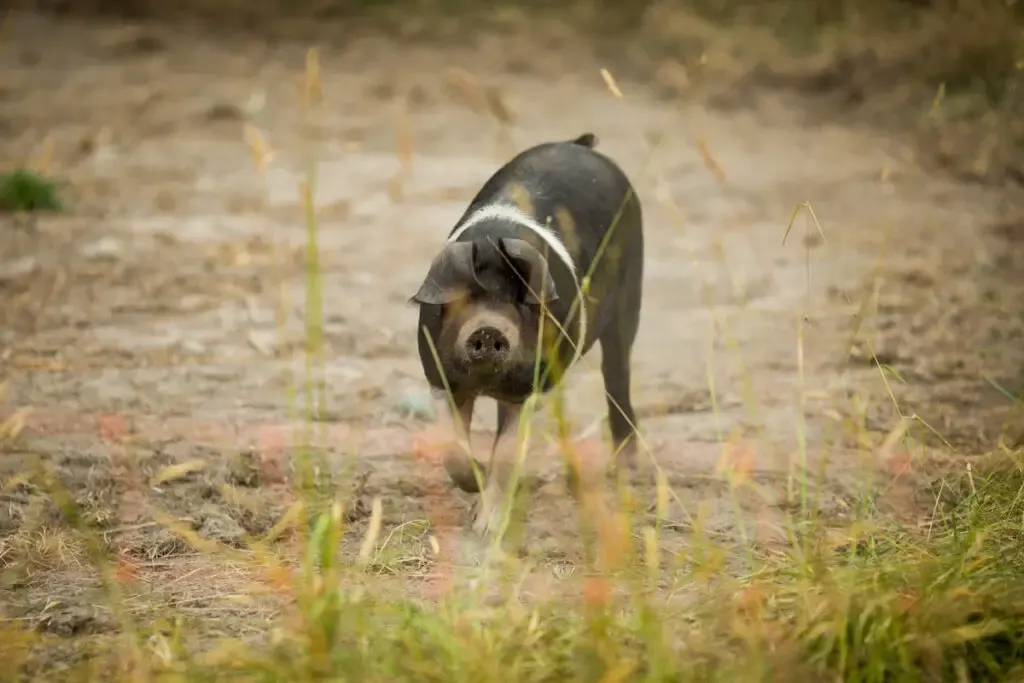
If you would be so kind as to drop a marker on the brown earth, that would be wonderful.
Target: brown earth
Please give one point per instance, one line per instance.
(160, 322)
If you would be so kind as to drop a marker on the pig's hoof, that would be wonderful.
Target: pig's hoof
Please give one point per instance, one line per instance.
(626, 468)
(487, 520)
(630, 475)
(466, 479)
(621, 470)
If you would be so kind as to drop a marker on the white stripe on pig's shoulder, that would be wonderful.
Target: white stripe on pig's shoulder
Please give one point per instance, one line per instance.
(513, 214)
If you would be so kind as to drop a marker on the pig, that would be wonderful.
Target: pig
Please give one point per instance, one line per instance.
(546, 261)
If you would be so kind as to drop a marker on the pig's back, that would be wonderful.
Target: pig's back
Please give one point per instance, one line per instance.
(560, 178)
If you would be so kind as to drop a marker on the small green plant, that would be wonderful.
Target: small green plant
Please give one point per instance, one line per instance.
(27, 191)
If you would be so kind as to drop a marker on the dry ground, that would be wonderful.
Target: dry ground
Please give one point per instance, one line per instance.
(160, 322)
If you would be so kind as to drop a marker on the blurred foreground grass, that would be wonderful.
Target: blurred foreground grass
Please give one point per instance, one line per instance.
(940, 602)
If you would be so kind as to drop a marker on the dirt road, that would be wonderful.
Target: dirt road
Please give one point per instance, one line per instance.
(162, 319)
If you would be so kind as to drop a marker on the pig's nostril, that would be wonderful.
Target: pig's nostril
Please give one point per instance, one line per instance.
(487, 344)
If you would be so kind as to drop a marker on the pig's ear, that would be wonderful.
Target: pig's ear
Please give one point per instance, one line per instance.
(450, 275)
(533, 267)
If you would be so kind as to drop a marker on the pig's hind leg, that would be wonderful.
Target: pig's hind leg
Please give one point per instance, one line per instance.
(616, 355)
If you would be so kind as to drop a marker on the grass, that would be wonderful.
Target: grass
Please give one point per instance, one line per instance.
(24, 191)
(872, 598)
(945, 602)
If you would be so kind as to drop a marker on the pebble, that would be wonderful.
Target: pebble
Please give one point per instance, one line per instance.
(259, 314)
(12, 270)
(264, 341)
(108, 247)
(193, 347)
(416, 404)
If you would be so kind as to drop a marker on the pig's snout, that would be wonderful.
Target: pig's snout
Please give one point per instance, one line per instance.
(487, 341)
(488, 345)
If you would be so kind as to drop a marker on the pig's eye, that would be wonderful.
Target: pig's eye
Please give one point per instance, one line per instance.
(525, 299)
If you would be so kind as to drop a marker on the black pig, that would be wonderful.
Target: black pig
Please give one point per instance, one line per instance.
(556, 230)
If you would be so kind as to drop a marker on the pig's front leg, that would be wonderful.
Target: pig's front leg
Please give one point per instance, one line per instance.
(499, 470)
(452, 439)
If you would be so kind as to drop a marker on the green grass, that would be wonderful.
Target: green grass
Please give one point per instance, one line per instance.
(941, 603)
(885, 607)
(28, 192)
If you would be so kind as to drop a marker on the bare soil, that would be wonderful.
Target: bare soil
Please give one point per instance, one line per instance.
(161, 321)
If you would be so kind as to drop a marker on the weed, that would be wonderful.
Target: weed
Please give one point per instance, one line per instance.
(26, 191)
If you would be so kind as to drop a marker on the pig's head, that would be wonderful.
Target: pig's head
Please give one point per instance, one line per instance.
(493, 293)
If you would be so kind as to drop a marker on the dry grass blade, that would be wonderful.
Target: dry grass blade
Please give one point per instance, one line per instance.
(709, 161)
(292, 516)
(610, 83)
(175, 472)
(14, 424)
(43, 161)
(496, 105)
(369, 544)
(468, 90)
(262, 154)
(404, 145)
(312, 91)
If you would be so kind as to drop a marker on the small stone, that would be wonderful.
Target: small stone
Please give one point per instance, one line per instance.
(193, 347)
(192, 302)
(264, 341)
(18, 268)
(259, 314)
(224, 111)
(417, 405)
(255, 103)
(108, 247)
